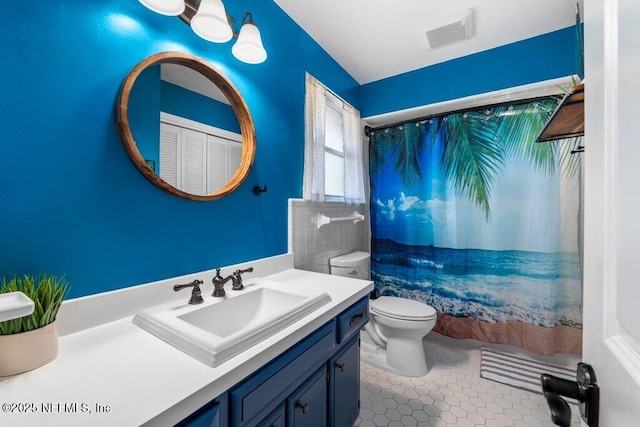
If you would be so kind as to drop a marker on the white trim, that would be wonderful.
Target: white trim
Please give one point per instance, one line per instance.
(622, 348)
(534, 90)
(611, 325)
(200, 127)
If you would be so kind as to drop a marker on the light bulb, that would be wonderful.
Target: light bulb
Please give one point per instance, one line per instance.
(210, 22)
(249, 46)
(165, 7)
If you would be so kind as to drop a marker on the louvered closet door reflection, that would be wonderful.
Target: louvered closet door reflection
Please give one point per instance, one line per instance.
(169, 143)
(218, 167)
(194, 165)
(235, 156)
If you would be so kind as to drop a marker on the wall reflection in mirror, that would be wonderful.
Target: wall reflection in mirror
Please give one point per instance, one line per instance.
(185, 128)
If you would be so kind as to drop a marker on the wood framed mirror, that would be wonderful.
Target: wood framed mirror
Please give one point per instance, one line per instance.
(183, 154)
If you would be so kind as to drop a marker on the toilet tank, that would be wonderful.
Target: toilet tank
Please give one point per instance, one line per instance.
(354, 264)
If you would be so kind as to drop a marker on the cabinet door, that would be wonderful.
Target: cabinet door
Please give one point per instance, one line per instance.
(307, 406)
(274, 419)
(213, 414)
(345, 386)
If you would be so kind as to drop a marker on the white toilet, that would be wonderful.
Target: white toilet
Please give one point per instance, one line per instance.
(392, 340)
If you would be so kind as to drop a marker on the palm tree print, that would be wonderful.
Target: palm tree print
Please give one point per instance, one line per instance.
(476, 145)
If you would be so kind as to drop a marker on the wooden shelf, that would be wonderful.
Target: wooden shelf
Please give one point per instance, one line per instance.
(567, 121)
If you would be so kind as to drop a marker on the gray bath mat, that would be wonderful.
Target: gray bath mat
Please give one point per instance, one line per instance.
(519, 371)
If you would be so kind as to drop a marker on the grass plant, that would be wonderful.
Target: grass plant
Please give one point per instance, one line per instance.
(46, 291)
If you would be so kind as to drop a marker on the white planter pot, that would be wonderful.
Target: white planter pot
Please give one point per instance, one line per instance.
(28, 350)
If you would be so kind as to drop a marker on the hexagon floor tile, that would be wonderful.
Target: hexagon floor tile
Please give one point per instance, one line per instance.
(451, 394)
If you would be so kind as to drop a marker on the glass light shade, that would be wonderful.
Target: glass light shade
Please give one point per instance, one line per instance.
(249, 46)
(210, 22)
(165, 7)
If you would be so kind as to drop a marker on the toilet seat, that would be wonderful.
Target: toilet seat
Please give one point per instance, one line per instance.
(402, 309)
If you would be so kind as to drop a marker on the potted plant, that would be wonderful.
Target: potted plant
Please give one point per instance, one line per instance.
(31, 341)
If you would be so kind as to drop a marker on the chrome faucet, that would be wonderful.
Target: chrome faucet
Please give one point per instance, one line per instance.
(236, 280)
(196, 294)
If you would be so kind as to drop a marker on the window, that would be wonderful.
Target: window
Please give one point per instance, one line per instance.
(334, 168)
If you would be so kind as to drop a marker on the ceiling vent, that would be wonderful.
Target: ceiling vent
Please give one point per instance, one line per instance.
(450, 29)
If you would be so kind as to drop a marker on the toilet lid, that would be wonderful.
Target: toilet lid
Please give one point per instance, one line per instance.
(402, 308)
(351, 259)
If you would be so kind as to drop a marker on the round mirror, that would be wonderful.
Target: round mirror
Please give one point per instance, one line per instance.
(185, 126)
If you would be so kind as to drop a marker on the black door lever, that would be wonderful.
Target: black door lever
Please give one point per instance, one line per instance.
(585, 390)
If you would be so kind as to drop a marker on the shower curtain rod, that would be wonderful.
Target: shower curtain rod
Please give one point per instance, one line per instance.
(369, 129)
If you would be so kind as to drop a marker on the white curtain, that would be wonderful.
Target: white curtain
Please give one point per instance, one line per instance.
(353, 155)
(314, 115)
(314, 153)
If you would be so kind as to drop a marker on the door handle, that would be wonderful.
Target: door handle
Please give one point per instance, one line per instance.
(585, 390)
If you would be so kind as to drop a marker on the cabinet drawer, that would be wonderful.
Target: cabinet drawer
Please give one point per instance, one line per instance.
(352, 319)
(260, 394)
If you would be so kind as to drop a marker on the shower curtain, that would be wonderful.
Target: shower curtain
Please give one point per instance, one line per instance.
(473, 217)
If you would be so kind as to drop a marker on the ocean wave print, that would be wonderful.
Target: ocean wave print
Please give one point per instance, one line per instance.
(492, 298)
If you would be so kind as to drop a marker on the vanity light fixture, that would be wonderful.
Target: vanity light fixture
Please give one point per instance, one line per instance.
(209, 20)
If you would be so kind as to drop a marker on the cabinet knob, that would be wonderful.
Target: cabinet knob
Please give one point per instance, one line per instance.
(304, 407)
(340, 366)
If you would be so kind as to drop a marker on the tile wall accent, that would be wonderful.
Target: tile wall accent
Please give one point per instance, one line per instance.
(312, 246)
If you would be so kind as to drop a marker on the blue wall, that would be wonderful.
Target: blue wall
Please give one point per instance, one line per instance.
(533, 60)
(144, 114)
(72, 203)
(193, 106)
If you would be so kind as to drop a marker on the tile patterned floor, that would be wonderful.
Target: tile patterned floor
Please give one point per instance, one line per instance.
(451, 394)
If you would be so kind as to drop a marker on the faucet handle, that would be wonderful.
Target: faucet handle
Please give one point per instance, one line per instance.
(237, 282)
(218, 285)
(196, 294)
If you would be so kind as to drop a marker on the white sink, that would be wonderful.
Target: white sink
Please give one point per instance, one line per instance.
(220, 328)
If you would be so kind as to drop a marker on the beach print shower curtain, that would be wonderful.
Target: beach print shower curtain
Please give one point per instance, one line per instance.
(473, 217)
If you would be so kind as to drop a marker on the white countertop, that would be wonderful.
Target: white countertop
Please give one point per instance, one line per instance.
(136, 378)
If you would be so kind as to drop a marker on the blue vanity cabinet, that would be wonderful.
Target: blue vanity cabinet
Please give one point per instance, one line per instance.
(344, 385)
(315, 383)
(257, 396)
